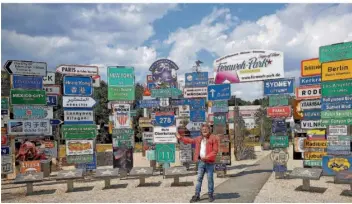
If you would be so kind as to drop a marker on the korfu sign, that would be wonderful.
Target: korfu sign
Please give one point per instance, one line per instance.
(308, 92)
(78, 70)
(163, 135)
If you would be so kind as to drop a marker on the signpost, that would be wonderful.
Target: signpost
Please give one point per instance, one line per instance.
(165, 153)
(335, 52)
(310, 67)
(279, 86)
(17, 67)
(78, 102)
(120, 76)
(84, 70)
(32, 112)
(27, 82)
(77, 85)
(219, 92)
(28, 97)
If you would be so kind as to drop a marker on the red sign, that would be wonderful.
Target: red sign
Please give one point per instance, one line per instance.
(279, 111)
(3, 136)
(149, 78)
(30, 166)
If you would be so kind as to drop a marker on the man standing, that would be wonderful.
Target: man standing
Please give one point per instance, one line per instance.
(205, 154)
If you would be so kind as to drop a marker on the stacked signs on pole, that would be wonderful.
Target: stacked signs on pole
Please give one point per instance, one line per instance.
(121, 87)
(336, 106)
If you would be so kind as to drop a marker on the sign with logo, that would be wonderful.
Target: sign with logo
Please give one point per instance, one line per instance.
(308, 92)
(32, 112)
(219, 92)
(279, 111)
(78, 116)
(27, 97)
(164, 73)
(337, 130)
(122, 115)
(79, 131)
(165, 119)
(252, 65)
(29, 127)
(197, 116)
(6, 165)
(77, 102)
(198, 92)
(183, 111)
(165, 135)
(196, 79)
(165, 153)
(312, 124)
(5, 84)
(313, 114)
(335, 52)
(333, 165)
(338, 70)
(310, 67)
(336, 88)
(278, 100)
(310, 104)
(49, 78)
(278, 126)
(153, 103)
(313, 80)
(30, 166)
(278, 86)
(27, 82)
(278, 141)
(77, 85)
(121, 93)
(16, 67)
(52, 89)
(5, 106)
(84, 70)
(120, 76)
(79, 147)
(336, 114)
(145, 122)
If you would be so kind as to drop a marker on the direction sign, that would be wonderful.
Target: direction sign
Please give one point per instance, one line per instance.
(51, 100)
(278, 86)
(78, 85)
(55, 122)
(5, 83)
(77, 102)
(16, 67)
(79, 131)
(196, 79)
(49, 78)
(336, 88)
(29, 127)
(219, 92)
(335, 52)
(165, 153)
(219, 119)
(313, 80)
(148, 103)
(120, 76)
(27, 82)
(165, 134)
(28, 97)
(84, 70)
(336, 114)
(200, 92)
(52, 89)
(310, 67)
(32, 112)
(197, 116)
(78, 116)
(121, 93)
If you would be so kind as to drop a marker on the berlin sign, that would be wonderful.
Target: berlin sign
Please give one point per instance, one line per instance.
(27, 82)
(77, 102)
(85, 70)
(16, 67)
(78, 85)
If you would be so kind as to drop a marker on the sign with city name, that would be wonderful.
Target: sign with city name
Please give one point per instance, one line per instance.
(28, 97)
(338, 70)
(52, 89)
(312, 124)
(279, 111)
(164, 135)
(308, 92)
(165, 93)
(279, 86)
(32, 112)
(27, 82)
(219, 92)
(336, 114)
(197, 92)
(29, 127)
(344, 121)
(310, 67)
(314, 155)
(77, 102)
(315, 143)
(49, 78)
(121, 93)
(278, 100)
(196, 79)
(313, 80)
(336, 106)
(120, 76)
(335, 52)
(310, 104)
(337, 130)
(78, 116)
(336, 88)
(79, 131)
(17, 67)
(78, 85)
(84, 70)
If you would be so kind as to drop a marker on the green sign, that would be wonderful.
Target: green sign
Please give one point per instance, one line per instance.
(121, 93)
(151, 155)
(120, 76)
(133, 113)
(27, 97)
(79, 131)
(313, 162)
(336, 88)
(165, 93)
(165, 153)
(122, 133)
(79, 159)
(278, 100)
(278, 141)
(336, 114)
(4, 103)
(220, 119)
(220, 104)
(344, 121)
(335, 52)
(123, 137)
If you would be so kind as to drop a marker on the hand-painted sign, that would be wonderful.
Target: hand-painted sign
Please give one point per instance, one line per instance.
(27, 82)
(279, 141)
(49, 78)
(183, 111)
(311, 124)
(167, 92)
(336, 88)
(197, 116)
(198, 92)
(32, 112)
(336, 114)
(219, 92)
(308, 92)
(78, 70)
(335, 52)
(29, 127)
(77, 85)
(313, 114)
(278, 126)
(78, 116)
(28, 97)
(333, 165)
(337, 129)
(279, 86)
(52, 89)
(344, 121)
(165, 120)
(164, 73)
(79, 147)
(313, 80)
(148, 103)
(278, 100)
(196, 79)
(165, 134)
(165, 153)
(122, 117)
(79, 131)
(5, 83)
(51, 100)
(77, 102)
(310, 104)
(120, 76)
(17, 67)
(337, 70)
(310, 67)
(279, 111)
(121, 93)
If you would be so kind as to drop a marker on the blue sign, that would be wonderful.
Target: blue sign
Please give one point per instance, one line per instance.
(197, 115)
(219, 92)
(55, 122)
(196, 79)
(313, 114)
(196, 104)
(333, 164)
(151, 85)
(164, 120)
(279, 86)
(4, 112)
(278, 126)
(78, 86)
(27, 82)
(314, 80)
(179, 102)
(51, 100)
(92, 165)
(279, 168)
(148, 103)
(5, 150)
(336, 106)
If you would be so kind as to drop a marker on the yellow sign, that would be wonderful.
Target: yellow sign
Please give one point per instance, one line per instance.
(336, 70)
(315, 143)
(342, 164)
(145, 122)
(104, 147)
(315, 132)
(62, 151)
(310, 67)
(314, 155)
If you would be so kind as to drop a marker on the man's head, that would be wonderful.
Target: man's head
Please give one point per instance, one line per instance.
(205, 130)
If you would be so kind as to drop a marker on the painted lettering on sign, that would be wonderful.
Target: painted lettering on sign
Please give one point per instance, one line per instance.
(311, 124)
(280, 111)
(310, 67)
(314, 80)
(308, 92)
(278, 86)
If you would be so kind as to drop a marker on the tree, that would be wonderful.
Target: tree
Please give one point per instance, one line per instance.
(263, 121)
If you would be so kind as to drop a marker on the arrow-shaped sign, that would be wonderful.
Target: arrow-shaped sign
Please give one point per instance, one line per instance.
(55, 122)
(85, 70)
(17, 67)
(78, 102)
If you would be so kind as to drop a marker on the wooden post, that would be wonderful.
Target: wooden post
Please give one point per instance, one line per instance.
(13, 154)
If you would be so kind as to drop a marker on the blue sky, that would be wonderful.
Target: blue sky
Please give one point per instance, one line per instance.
(139, 34)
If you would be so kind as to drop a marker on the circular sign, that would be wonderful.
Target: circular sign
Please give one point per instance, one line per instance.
(29, 112)
(279, 156)
(164, 73)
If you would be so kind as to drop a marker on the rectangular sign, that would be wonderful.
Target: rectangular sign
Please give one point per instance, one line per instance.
(337, 70)
(77, 85)
(183, 111)
(121, 76)
(336, 106)
(77, 102)
(79, 159)
(123, 137)
(344, 121)
(279, 86)
(165, 135)
(312, 124)
(5, 83)
(79, 131)
(122, 118)
(312, 163)
(197, 116)
(336, 114)
(201, 92)
(85, 70)
(310, 67)
(29, 127)
(51, 100)
(278, 126)
(336, 88)
(315, 143)
(121, 93)
(30, 166)
(5, 105)
(279, 141)
(314, 155)
(52, 89)
(165, 93)
(310, 104)
(21, 67)
(337, 129)
(27, 82)
(6, 165)
(5, 150)
(220, 119)
(313, 114)
(278, 100)
(78, 116)
(153, 103)
(308, 92)
(32, 112)
(219, 92)
(334, 164)
(79, 147)
(27, 97)
(196, 79)
(49, 78)
(313, 80)
(147, 136)
(279, 111)
(335, 52)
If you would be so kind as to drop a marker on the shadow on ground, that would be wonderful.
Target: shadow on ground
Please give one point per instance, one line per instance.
(116, 186)
(150, 184)
(312, 189)
(42, 192)
(219, 196)
(183, 184)
(79, 189)
(242, 166)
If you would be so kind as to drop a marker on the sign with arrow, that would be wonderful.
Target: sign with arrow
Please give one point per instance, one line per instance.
(219, 92)
(85, 70)
(78, 102)
(55, 122)
(17, 67)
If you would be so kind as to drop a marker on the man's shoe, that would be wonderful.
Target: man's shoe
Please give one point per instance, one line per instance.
(211, 198)
(195, 198)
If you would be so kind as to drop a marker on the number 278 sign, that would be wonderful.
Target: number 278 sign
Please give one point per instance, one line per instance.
(165, 119)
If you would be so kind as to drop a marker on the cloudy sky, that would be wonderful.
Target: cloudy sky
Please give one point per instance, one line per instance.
(139, 34)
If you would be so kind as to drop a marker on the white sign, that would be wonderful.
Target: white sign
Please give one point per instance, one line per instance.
(311, 104)
(49, 78)
(248, 111)
(78, 115)
(29, 127)
(197, 92)
(194, 126)
(164, 102)
(52, 89)
(183, 111)
(16, 67)
(79, 147)
(185, 152)
(249, 123)
(337, 129)
(122, 115)
(85, 70)
(312, 124)
(6, 165)
(182, 122)
(251, 65)
(77, 102)
(147, 135)
(308, 92)
(33, 112)
(163, 135)
(96, 81)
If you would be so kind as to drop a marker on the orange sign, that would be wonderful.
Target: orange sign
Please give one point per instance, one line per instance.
(30, 166)
(315, 143)
(297, 111)
(314, 155)
(310, 67)
(279, 111)
(339, 70)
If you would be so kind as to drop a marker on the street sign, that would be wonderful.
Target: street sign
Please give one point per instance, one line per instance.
(164, 93)
(310, 67)
(338, 70)
(278, 100)
(165, 134)
(197, 116)
(52, 89)
(148, 103)
(78, 85)
(279, 111)
(147, 135)
(27, 82)
(279, 86)
(337, 130)
(313, 80)
(78, 116)
(78, 102)
(49, 78)
(5, 105)
(310, 104)
(51, 100)
(120, 76)
(219, 119)
(335, 52)
(32, 112)
(5, 151)
(279, 141)
(85, 70)
(313, 114)
(29, 127)
(55, 122)
(200, 92)
(79, 131)
(5, 83)
(219, 92)
(308, 92)
(165, 153)
(79, 147)
(336, 88)
(336, 114)
(278, 126)
(165, 120)
(17, 67)
(312, 124)
(121, 93)
(6, 165)
(344, 121)
(28, 97)
(196, 79)
(122, 117)
(194, 126)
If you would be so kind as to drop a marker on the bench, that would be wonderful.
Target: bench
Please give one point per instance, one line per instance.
(141, 173)
(307, 175)
(107, 175)
(176, 173)
(344, 177)
(69, 176)
(29, 179)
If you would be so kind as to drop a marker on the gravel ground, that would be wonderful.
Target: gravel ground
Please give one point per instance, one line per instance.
(125, 190)
(283, 190)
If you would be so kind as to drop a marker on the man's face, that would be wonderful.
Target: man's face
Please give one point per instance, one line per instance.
(205, 131)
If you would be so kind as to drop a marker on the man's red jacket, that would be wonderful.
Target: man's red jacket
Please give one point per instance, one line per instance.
(212, 147)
